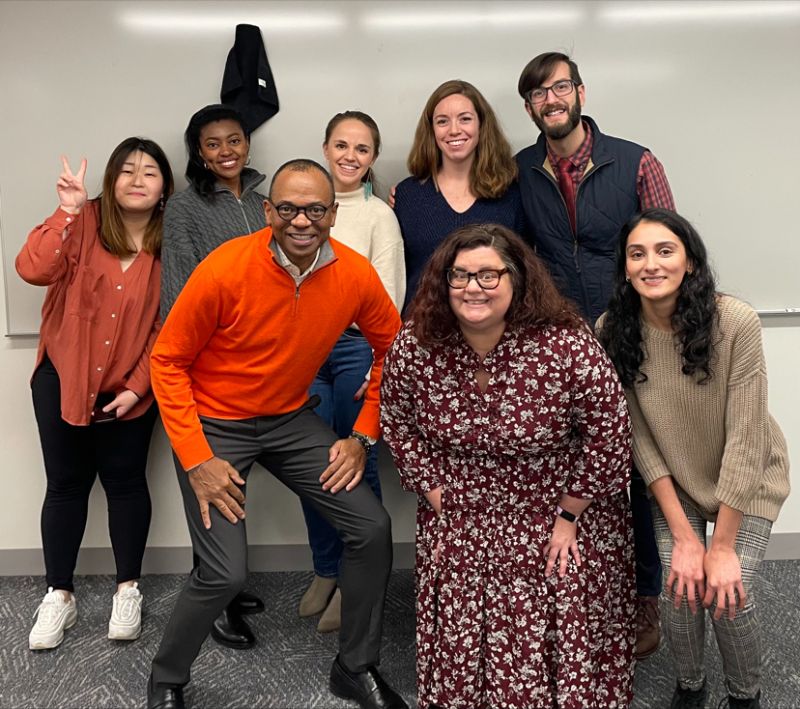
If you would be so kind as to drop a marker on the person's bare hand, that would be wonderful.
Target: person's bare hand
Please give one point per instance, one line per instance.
(724, 582)
(361, 391)
(347, 460)
(123, 403)
(563, 544)
(70, 187)
(215, 483)
(434, 498)
(686, 575)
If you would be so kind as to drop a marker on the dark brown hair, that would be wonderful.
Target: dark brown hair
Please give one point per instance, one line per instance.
(112, 226)
(539, 68)
(364, 118)
(493, 169)
(536, 300)
(369, 122)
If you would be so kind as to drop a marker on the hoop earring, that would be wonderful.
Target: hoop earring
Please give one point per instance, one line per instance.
(162, 203)
(205, 164)
(247, 162)
(368, 185)
(627, 279)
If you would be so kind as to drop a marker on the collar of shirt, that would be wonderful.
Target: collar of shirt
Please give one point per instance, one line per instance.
(580, 158)
(293, 270)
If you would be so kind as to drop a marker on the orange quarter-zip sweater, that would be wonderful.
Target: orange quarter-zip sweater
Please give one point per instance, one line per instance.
(242, 340)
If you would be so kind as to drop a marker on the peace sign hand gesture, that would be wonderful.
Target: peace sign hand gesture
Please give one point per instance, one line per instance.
(71, 191)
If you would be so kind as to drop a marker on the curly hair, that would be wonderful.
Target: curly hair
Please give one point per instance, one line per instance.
(198, 175)
(695, 313)
(493, 169)
(535, 301)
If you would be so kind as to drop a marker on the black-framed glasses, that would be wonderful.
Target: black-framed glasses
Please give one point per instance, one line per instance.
(488, 278)
(313, 212)
(560, 89)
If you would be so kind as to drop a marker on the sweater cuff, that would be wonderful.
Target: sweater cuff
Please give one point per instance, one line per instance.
(650, 476)
(736, 498)
(193, 451)
(367, 422)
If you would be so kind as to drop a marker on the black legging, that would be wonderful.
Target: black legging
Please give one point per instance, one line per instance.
(73, 457)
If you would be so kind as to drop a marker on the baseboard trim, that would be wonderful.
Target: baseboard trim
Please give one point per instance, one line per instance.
(263, 557)
(172, 560)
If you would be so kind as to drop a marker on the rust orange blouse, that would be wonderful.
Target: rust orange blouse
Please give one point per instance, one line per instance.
(99, 322)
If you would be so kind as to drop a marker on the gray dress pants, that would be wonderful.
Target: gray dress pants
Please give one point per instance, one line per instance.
(293, 447)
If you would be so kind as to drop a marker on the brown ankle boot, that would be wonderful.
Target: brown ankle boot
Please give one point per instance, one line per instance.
(317, 595)
(648, 631)
(332, 617)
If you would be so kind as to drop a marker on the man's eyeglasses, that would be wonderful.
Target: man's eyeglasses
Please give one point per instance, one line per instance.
(559, 89)
(488, 279)
(313, 212)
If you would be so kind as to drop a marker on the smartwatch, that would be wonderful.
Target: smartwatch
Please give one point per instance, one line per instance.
(561, 512)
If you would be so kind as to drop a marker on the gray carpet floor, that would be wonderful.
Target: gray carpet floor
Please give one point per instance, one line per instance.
(289, 667)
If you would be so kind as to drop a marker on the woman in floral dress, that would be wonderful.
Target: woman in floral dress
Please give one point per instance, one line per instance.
(505, 416)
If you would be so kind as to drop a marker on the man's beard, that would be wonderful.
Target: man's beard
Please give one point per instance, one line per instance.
(557, 132)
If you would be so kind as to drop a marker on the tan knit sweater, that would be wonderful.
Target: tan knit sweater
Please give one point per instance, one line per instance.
(717, 440)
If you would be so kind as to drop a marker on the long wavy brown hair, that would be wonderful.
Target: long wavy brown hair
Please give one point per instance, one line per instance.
(536, 300)
(493, 169)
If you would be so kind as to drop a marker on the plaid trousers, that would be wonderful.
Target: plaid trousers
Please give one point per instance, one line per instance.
(739, 640)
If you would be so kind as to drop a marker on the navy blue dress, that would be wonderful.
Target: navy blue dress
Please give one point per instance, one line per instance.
(426, 219)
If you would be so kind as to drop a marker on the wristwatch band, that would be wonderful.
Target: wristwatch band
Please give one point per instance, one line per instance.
(561, 512)
(363, 440)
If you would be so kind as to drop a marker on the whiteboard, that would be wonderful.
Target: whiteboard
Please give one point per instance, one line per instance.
(710, 87)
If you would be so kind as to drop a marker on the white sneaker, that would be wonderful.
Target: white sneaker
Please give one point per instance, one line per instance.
(126, 615)
(54, 616)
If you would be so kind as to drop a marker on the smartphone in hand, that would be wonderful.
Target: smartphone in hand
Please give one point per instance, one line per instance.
(104, 398)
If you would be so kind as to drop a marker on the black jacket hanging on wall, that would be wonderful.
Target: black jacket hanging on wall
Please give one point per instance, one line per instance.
(247, 84)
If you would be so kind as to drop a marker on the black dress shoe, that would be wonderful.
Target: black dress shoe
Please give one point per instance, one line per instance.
(368, 688)
(164, 697)
(231, 630)
(248, 604)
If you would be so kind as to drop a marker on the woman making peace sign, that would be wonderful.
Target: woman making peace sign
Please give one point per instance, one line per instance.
(91, 384)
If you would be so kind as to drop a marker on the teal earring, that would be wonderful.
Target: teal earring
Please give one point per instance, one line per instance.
(368, 185)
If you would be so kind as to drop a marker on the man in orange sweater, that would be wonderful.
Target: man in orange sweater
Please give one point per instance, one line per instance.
(231, 371)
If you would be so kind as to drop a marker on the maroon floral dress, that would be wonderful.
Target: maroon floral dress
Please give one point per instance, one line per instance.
(492, 631)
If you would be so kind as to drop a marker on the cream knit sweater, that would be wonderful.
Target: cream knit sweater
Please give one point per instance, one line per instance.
(716, 440)
(370, 227)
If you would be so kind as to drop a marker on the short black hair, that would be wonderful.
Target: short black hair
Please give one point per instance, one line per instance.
(302, 165)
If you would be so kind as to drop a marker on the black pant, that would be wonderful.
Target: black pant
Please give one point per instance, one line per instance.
(73, 457)
(294, 448)
(648, 563)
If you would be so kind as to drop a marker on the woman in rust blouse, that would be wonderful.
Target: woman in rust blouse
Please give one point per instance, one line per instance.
(91, 385)
(505, 416)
